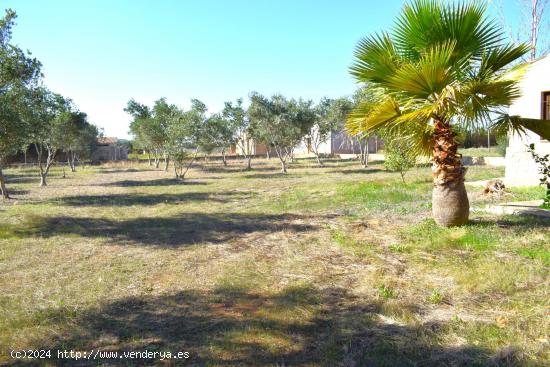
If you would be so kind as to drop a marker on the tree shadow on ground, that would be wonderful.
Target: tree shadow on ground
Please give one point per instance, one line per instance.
(269, 175)
(298, 326)
(522, 222)
(16, 192)
(22, 179)
(105, 170)
(232, 168)
(357, 171)
(180, 230)
(157, 182)
(150, 199)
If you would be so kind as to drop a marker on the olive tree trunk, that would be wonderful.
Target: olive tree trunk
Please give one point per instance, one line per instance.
(5, 194)
(450, 205)
(166, 162)
(224, 157)
(50, 158)
(73, 162)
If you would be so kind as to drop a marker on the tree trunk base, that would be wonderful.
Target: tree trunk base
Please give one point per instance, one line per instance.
(450, 205)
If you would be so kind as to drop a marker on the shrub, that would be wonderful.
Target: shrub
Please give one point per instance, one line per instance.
(398, 157)
(544, 170)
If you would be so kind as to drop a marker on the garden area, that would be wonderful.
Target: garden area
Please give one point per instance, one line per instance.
(332, 265)
(390, 209)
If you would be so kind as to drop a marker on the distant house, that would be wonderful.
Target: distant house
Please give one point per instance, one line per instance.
(109, 149)
(339, 143)
(534, 103)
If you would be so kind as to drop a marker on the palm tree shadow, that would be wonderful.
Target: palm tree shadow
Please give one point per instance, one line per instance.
(239, 327)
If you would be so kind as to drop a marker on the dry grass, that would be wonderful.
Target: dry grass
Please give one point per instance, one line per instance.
(324, 266)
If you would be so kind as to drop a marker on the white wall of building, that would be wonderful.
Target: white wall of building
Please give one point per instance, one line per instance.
(521, 170)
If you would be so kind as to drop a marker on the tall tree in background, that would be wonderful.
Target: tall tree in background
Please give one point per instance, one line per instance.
(185, 130)
(141, 114)
(339, 110)
(79, 138)
(18, 71)
(150, 127)
(162, 114)
(48, 114)
(216, 134)
(325, 124)
(239, 125)
(442, 65)
(532, 25)
(280, 123)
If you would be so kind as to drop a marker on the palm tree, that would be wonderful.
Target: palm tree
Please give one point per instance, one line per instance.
(442, 66)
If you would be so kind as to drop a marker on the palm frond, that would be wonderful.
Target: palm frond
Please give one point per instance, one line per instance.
(376, 59)
(424, 23)
(499, 57)
(417, 135)
(518, 125)
(429, 75)
(368, 116)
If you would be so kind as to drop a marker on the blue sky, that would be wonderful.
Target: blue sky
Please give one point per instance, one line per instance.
(102, 53)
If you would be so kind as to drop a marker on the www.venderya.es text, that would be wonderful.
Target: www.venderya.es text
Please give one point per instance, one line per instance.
(96, 354)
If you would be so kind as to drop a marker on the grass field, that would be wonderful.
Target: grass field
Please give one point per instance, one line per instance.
(482, 152)
(332, 266)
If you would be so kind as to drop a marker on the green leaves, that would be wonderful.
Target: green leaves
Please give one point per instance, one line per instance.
(369, 116)
(505, 123)
(280, 122)
(440, 60)
(426, 23)
(376, 59)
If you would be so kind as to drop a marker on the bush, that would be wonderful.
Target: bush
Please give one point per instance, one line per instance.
(544, 170)
(398, 157)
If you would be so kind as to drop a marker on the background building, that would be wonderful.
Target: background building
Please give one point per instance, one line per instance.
(109, 149)
(521, 170)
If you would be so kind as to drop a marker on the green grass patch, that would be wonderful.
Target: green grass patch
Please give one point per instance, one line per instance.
(386, 292)
(527, 193)
(481, 152)
(350, 244)
(430, 236)
(539, 252)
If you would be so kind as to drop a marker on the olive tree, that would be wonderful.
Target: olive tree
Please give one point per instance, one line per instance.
(325, 124)
(216, 134)
(18, 71)
(79, 139)
(240, 128)
(280, 123)
(184, 137)
(47, 113)
(150, 128)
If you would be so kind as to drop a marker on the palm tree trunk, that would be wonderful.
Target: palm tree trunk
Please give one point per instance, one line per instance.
(450, 203)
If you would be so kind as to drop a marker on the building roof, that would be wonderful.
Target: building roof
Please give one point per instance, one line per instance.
(106, 140)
